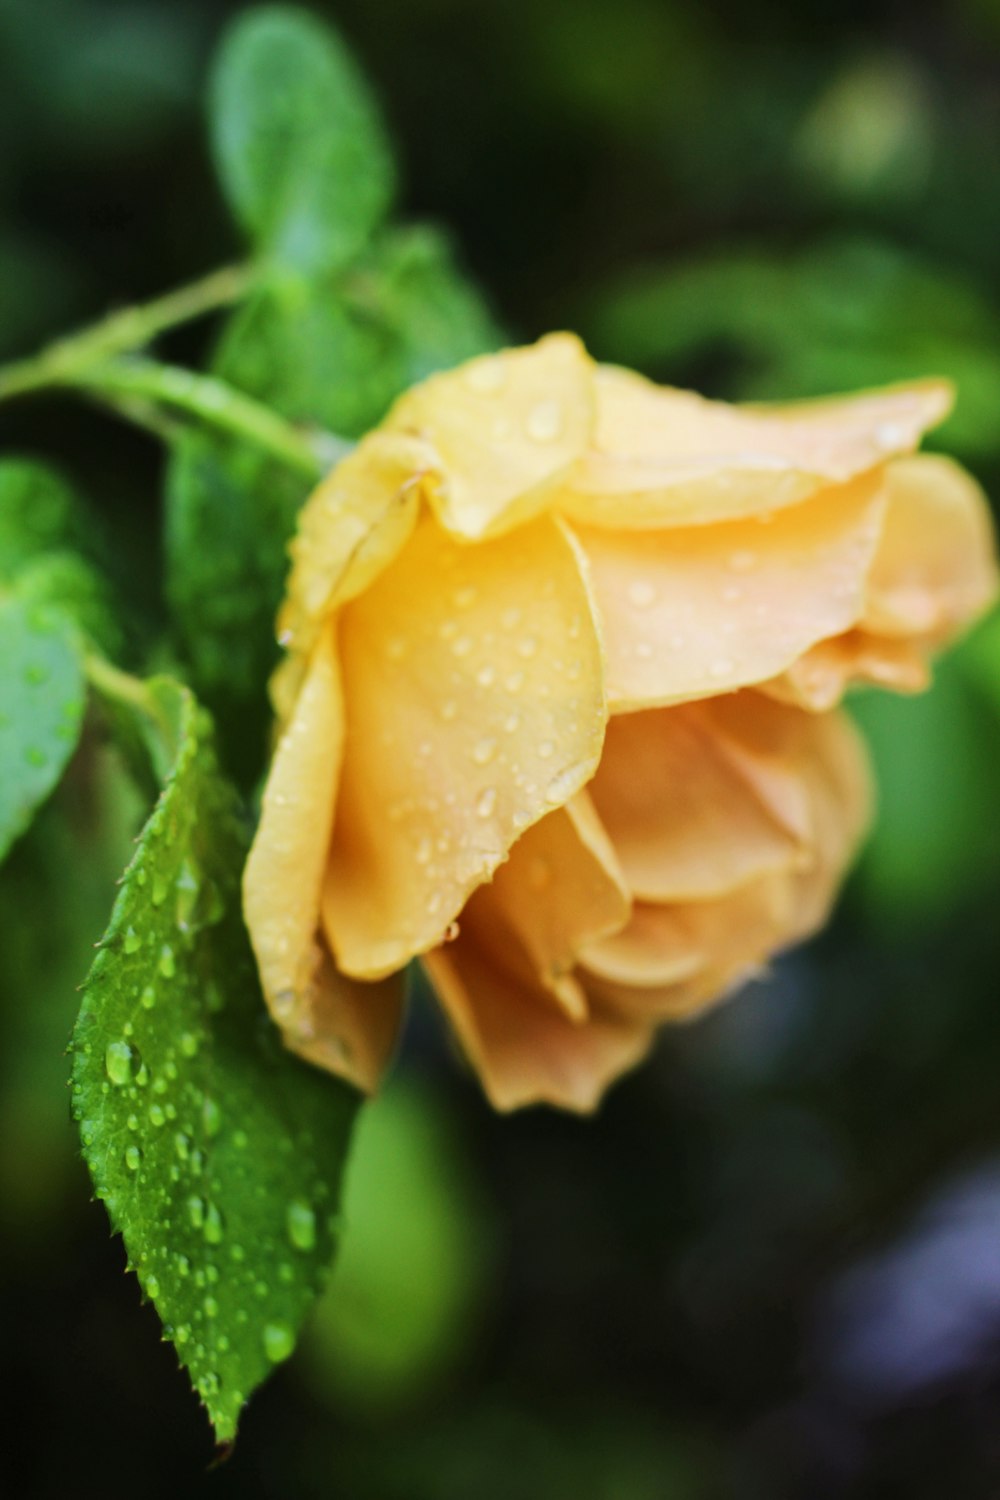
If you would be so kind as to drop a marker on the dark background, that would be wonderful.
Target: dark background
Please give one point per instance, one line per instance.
(771, 1266)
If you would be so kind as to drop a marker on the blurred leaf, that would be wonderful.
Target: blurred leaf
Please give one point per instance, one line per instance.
(42, 698)
(39, 512)
(845, 315)
(217, 1154)
(299, 141)
(48, 550)
(48, 917)
(382, 1339)
(934, 844)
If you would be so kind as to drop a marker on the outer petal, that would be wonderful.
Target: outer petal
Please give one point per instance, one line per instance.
(935, 569)
(524, 1049)
(669, 458)
(683, 821)
(695, 612)
(819, 679)
(475, 704)
(504, 425)
(351, 527)
(343, 1025)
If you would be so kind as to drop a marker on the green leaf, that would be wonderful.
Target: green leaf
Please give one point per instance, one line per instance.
(331, 353)
(49, 550)
(298, 139)
(217, 1154)
(41, 709)
(39, 512)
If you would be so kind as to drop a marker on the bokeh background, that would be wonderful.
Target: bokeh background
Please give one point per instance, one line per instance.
(771, 1266)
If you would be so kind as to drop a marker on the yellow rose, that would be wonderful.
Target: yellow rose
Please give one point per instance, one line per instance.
(557, 714)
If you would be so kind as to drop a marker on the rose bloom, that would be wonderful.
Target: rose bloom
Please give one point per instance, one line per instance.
(558, 715)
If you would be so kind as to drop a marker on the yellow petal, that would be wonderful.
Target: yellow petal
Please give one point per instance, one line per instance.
(935, 569)
(338, 1023)
(473, 680)
(350, 529)
(505, 425)
(695, 612)
(819, 679)
(562, 887)
(672, 961)
(682, 820)
(664, 457)
(524, 1049)
(810, 771)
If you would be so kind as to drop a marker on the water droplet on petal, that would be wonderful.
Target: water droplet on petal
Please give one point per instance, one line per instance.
(487, 802)
(545, 422)
(484, 751)
(641, 594)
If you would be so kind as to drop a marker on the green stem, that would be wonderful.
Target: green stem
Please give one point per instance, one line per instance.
(132, 328)
(210, 400)
(120, 687)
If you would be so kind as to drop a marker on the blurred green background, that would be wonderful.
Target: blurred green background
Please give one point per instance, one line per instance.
(771, 1266)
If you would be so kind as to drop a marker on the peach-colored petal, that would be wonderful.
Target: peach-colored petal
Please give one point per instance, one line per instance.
(682, 820)
(505, 425)
(561, 887)
(524, 1049)
(473, 679)
(935, 569)
(351, 528)
(810, 770)
(338, 1023)
(695, 612)
(819, 679)
(663, 945)
(664, 457)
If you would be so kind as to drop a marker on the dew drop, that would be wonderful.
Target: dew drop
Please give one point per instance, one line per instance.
(486, 802)
(721, 668)
(133, 1158)
(464, 598)
(120, 1062)
(211, 1115)
(641, 594)
(213, 1228)
(148, 998)
(742, 560)
(424, 851)
(545, 422)
(449, 709)
(300, 1223)
(152, 1286)
(279, 1341)
(133, 942)
(486, 676)
(527, 647)
(196, 1212)
(564, 785)
(188, 1043)
(484, 751)
(546, 749)
(167, 964)
(211, 1307)
(156, 1115)
(485, 376)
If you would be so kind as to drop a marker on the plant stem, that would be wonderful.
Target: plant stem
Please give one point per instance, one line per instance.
(123, 331)
(203, 396)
